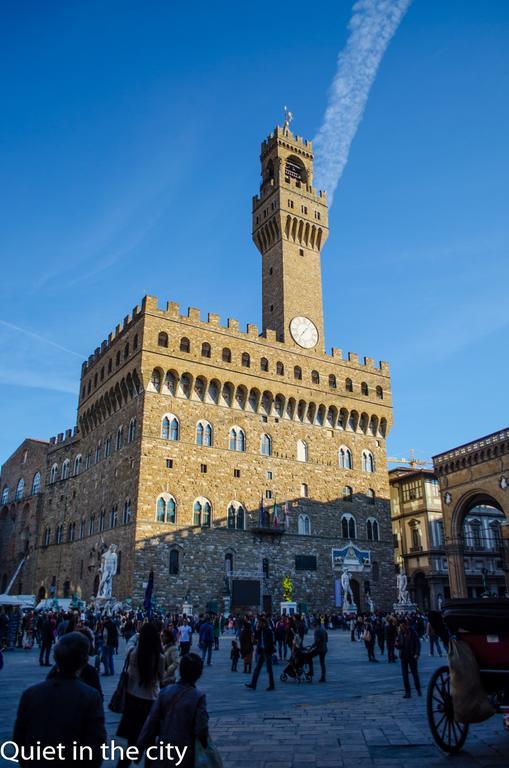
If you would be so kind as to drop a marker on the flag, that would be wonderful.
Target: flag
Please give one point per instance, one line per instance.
(147, 602)
(276, 515)
(287, 516)
(262, 513)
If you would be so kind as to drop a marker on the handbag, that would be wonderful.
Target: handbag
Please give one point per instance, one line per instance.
(207, 757)
(117, 702)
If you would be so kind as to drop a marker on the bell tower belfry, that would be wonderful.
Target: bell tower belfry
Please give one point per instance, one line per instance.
(290, 227)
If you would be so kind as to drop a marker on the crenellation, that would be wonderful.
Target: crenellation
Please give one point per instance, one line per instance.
(252, 330)
(337, 353)
(369, 362)
(233, 325)
(193, 313)
(213, 319)
(173, 309)
(353, 357)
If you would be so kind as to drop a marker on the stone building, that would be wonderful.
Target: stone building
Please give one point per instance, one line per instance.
(418, 530)
(474, 487)
(224, 460)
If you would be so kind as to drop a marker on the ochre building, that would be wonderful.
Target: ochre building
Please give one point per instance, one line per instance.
(220, 459)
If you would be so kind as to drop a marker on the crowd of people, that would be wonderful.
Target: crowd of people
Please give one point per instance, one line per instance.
(161, 668)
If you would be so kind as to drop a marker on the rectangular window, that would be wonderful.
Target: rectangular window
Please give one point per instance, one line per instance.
(203, 469)
(169, 463)
(290, 203)
(305, 563)
(269, 474)
(268, 494)
(412, 490)
(236, 473)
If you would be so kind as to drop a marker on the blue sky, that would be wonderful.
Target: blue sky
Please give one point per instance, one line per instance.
(129, 143)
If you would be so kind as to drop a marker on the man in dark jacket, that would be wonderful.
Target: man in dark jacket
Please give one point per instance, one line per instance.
(206, 640)
(321, 639)
(62, 709)
(110, 644)
(409, 647)
(264, 640)
(46, 641)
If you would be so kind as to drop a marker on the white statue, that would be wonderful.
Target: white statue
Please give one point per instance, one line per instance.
(347, 589)
(371, 604)
(402, 582)
(440, 602)
(107, 570)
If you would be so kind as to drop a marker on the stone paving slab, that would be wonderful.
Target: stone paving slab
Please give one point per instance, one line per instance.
(358, 719)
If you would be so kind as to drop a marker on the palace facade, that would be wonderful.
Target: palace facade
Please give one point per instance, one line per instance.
(219, 459)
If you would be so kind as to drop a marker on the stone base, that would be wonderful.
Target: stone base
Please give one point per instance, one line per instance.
(288, 608)
(349, 608)
(404, 607)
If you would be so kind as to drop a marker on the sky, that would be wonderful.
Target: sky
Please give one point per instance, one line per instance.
(129, 153)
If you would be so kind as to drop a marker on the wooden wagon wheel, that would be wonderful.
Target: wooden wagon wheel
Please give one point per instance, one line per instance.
(447, 733)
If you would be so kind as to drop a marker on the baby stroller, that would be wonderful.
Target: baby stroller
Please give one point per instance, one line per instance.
(300, 666)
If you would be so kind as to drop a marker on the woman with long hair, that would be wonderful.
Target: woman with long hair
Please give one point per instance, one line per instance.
(145, 668)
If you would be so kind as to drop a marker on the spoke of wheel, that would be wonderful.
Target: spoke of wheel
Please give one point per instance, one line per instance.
(437, 724)
(455, 735)
(440, 701)
(449, 730)
(442, 735)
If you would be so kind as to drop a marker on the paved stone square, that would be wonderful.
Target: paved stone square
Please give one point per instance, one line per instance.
(357, 719)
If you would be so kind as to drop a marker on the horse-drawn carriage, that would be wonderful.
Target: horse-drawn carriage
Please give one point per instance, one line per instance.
(484, 626)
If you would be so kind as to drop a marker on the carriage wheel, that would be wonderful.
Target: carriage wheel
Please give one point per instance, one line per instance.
(447, 733)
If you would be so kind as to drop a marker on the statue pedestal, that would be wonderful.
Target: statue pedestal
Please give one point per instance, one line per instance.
(104, 603)
(349, 608)
(288, 608)
(404, 607)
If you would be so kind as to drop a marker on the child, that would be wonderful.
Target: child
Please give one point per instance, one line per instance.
(235, 655)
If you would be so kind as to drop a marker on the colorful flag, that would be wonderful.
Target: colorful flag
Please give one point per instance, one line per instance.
(262, 513)
(287, 516)
(147, 602)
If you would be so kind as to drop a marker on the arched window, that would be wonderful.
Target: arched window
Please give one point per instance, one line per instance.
(91, 525)
(20, 490)
(228, 564)
(332, 381)
(302, 450)
(345, 458)
(126, 351)
(82, 528)
(304, 525)
(102, 517)
(237, 439)
(246, 360)
(170, 428)
(204, 434)
(315, 377)
(380, 393)
(36, 484)
(202, 513)
(205, 349)
(297, 373)
(71, 532)
(166, 509)
(264, 364)
(59, 534)
(280, 369)
(348, 527)
(227, 355)
(476, 534)
(185, 344)
(266, 445)
(162, 339)
(120, 438)
(5, 494)
(174, 562)
(77, 465)
(47, 537)
(66, 469)
(368, 461)
(114, 516)
(53, 473)
(131, 433)
(127, 512)
(364, 388)
(347, 493)
(155, 380)
(372, 529)
(370, 494)
(496, 534)
(348, 385)
(236, 517)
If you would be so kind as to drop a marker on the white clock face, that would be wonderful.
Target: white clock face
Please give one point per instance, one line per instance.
(304, 332)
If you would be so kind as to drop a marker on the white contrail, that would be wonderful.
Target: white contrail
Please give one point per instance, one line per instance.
(39, 338)
(371, 27)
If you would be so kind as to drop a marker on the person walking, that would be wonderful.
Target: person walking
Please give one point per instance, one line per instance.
(409, 647)
(380, 634)
(171, 658)
(110, 635)
(369, 641)
(145, 669)
(321, 639)
(434, 640)
(179, 715)
(391, 634)
(63, 709)
(217, 632)
(246, 646)
(235, 655)
(281, 639)
(206, 640)
(47, 639)
(264, 640)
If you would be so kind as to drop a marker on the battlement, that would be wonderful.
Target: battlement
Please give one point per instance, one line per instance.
(113, 337)
(150, 304)
(65, 437)
(286, 135)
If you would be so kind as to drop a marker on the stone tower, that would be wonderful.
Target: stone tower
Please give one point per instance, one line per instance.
(290, 227)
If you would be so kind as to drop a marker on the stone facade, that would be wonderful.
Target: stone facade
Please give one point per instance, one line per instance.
(475, 477)
(185, 425)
